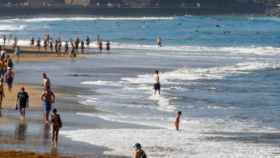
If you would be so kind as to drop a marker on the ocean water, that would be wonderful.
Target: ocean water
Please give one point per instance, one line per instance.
(222, 72)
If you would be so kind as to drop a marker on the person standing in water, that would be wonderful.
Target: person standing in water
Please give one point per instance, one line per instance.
(87, 41)
(157, 83)
(138, 151)
(17, 52)
(46, 82)
(56, 125)
(48, 98)
(22, 102)
(158, 41)
(2, 94)
(108, 46)
(177, 120)
(9, 78)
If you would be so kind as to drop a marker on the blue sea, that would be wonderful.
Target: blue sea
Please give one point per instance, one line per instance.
(222, 72)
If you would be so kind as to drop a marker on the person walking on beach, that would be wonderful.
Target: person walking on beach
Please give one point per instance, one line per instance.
(138, 151)
(51, 45)
(2, 93)
(22, 102)
(177, 120)
(56, 125)
(46, 82)
(156, 83)
(48, 98)
(9, 78)
(9, 62)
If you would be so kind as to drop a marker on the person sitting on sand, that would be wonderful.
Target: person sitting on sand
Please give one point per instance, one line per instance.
(22, 102)
(177, 120)
(157, 83)
(48, 98)
(46, 82)
(138, 152)
(56, 125)
(2, 93)
(9, 78)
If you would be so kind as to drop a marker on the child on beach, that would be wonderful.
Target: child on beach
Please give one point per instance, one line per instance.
(177, 120)
(56, 125)
(138, 152)
(22, 102)
(48, 98)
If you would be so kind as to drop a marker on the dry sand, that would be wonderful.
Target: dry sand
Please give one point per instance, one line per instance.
(20, 154)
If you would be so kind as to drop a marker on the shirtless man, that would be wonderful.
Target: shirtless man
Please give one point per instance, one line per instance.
(48, 98)
(46, 82)
(157, 83)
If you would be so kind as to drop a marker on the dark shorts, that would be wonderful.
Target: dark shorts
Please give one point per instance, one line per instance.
(47, 106)
(157, 86)
(22, 106)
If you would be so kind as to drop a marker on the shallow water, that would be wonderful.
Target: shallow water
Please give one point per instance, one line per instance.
(225, 83)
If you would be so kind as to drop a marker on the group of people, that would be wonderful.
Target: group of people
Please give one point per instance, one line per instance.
(6, 74)
(71, 46)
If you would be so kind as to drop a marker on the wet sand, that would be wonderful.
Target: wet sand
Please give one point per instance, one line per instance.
(21, 154)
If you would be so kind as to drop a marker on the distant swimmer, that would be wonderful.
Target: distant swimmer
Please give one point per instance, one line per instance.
(138, 151)
(158, 41)
(22, 102)
(48, 98)
(108, 47)
(156, 83)
(56, 125)
(177, 120)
